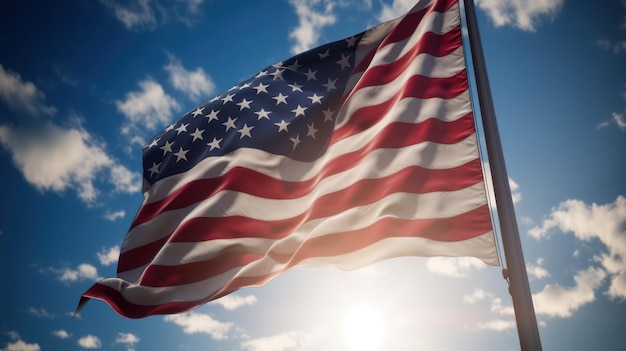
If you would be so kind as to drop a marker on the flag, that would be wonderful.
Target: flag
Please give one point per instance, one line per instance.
(353, 152)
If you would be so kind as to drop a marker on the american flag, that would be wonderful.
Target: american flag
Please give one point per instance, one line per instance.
(347, 154)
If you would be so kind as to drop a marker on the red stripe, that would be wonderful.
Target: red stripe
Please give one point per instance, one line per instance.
(413, 179)
(458, 228)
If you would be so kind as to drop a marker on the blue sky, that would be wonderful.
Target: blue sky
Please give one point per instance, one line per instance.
(84, 84)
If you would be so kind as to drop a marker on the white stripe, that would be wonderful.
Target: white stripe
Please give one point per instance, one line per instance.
(432, 156)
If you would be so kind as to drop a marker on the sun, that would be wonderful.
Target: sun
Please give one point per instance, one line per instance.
(364, 328)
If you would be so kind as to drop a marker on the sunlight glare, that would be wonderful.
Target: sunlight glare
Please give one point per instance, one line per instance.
(364, 328)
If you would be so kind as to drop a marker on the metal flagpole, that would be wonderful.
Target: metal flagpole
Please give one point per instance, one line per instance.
(518, 278)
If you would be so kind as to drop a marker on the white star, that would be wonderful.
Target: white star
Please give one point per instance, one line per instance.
(261, 88)
(278, 74)
(245, 131)
(230, 123)
(280, 98)
(351, 41)
(228, 98)
(247, 85)
(282, 125)
(330, 85)
(197, 135)
(294, 66)
(181, 154)
(261, 74)
(299, 110)
(311, 131)
(182, 128)
(213, 115)
(152, 144)
(328, 114)
(263, 114)
(244, 104)
(167, 147)
(316, 98)
(215, 144)
(344, 62)
(198, 111)
(311, 75)
(295, 141)
(279, 64)
(170, 127)
(215, 98)
(324, 55)
(154, 169)
(295, 87)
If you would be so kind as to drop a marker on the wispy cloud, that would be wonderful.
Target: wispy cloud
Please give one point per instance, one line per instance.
(145, 110)
(313, 15)
(617, 119)
(522, 14)
(195, 84)
(40, 313)
(150, 14)
(591, 222)
(279, 342)
(454, 266)
(90, 342)
(194, 323)
(109, 256)
(22, 96)
(232, 302)
(55, 158)
(114, 216)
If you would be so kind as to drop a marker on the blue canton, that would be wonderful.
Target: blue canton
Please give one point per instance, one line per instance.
(287, 109)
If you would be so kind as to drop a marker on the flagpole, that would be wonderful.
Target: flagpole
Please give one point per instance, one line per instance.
(527, 329)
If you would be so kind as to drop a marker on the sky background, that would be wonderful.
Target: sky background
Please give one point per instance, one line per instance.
(84, 84)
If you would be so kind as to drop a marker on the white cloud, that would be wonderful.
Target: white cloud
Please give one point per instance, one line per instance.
(193, 323)
(454, 266)
(109, 256)
(145, 110)
(605, 223)
(61, 334)
(54, 158)
(40, 313)
(22, 96)
(618, 120)
(20, 345)
(113, 216)
(522, 14)
(279, 342)
(231, 302)
(558, 301)
(149, 14)
(396, 9)
(498, 325)
(127, 339)
(195, 84)
(83, 271)
(90, 342)
(313, 15)
(536, 270)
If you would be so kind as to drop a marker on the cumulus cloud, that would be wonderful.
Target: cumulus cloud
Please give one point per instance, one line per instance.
(454, 266)
(22, 96)
(231, 302)
(589, 222)
(145, 110)
(193, 323)
(313, 15)
(54, 158)
(395, 10)
(536, 271)
(83, 271)
(114, 216)
(279, 342)
(150, 14)
(195, 84)
(61, 334)
(522, 14)
(18, 344)
(109, 256)
(90, 342)
(128, 339)
(558, 301)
